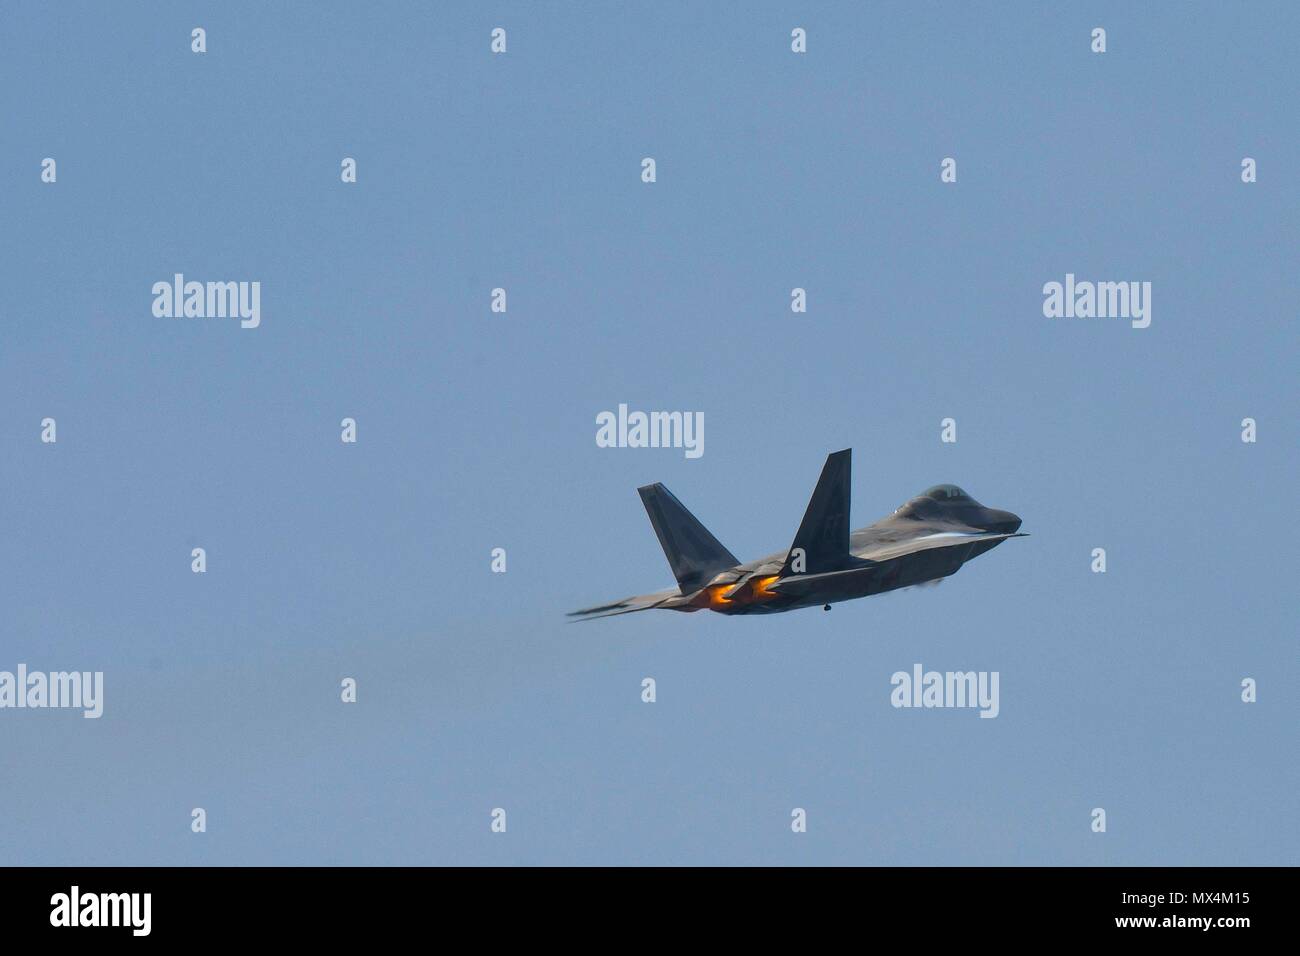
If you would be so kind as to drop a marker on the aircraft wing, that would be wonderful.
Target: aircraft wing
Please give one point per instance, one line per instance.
(943, 539)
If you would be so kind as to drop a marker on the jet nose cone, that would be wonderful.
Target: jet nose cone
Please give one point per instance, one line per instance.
(1004, 522)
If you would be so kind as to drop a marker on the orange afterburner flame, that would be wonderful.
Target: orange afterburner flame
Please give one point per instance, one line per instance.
(754, 592)
(715, 595)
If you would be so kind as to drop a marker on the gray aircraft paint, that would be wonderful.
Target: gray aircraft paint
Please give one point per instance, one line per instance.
(928, 538)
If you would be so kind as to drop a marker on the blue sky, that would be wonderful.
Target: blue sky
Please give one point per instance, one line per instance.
(476, 430)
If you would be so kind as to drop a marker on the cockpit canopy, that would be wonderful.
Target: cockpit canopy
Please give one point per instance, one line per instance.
(923, 505)
(945, 493)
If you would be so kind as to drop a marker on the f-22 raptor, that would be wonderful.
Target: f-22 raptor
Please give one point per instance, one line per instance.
(926, 539)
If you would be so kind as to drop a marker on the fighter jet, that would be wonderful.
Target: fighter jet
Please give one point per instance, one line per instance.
(926, 539)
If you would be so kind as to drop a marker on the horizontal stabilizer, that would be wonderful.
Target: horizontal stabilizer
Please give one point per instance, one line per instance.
(640, 602)
(822, 542)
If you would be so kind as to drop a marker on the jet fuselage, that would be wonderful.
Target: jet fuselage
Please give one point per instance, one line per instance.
(928, 538)
(920, 521)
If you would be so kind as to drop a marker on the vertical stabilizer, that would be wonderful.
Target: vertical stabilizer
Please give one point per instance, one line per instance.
(823, 537)
(693, 553)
